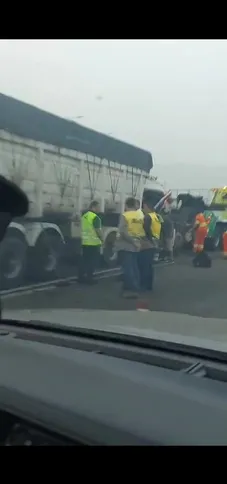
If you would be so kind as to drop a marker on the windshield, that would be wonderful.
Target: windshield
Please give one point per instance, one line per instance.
(121, 164)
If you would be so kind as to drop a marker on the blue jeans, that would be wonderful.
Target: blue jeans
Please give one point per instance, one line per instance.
(146, 268)
(131, 276)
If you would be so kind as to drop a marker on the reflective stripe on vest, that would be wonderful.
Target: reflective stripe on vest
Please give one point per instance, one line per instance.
(155, 225)
(134, 223)
(89, 236)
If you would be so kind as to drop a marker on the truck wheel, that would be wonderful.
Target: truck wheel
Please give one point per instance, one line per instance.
(13, 258)
(109, 251)
(46, 257)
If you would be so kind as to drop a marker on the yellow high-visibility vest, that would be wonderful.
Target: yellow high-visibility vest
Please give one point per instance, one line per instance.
(134, 223)
(155, 225)
(89, 235)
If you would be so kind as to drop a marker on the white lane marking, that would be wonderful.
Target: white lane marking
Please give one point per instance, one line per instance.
(50, 283)
(26, 290)
(17, 294)
(49, 286)
(26, 293)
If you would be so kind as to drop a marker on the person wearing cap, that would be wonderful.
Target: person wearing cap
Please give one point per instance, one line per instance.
(168, 234)
(148, 245)
(92, 240)
(130, 231)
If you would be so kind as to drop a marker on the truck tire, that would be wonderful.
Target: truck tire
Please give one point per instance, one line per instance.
(46, 257)
(13, 260)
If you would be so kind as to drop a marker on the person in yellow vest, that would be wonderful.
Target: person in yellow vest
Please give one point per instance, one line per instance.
(91, 235)
(130, 232)
(149, 244)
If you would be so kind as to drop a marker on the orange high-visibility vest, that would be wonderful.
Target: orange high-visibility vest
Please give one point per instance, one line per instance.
(201, 226)
(224, 243)
(200, 220)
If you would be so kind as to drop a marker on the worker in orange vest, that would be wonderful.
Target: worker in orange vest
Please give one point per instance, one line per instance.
(201, 258)
(224, 242)
(201, 231)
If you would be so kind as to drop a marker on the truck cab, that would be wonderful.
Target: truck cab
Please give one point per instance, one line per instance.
(219, 198)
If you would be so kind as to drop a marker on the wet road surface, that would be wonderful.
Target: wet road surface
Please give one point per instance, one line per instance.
(179, 288)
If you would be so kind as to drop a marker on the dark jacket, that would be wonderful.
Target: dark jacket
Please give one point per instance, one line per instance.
(168, 226)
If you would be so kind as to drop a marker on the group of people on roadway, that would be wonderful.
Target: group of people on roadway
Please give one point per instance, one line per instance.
(139, 235)
(138, 240)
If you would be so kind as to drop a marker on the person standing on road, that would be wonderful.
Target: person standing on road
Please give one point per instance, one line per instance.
(91, 242)
(201, 231)
(130, 231)
(168, 234)
(149, 244)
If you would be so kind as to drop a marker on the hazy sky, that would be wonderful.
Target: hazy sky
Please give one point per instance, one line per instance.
(167, 96)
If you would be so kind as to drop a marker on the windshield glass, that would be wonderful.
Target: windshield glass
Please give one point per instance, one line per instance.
(123, 168)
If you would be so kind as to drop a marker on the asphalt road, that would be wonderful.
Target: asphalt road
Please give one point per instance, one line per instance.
(179, 288)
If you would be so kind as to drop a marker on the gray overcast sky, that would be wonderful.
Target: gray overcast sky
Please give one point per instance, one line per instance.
(167, 96)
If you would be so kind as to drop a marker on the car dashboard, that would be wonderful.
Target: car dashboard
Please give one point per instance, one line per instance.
(63, 389)
(16, 432)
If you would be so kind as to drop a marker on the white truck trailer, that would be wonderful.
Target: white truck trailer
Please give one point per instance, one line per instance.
(62, 166)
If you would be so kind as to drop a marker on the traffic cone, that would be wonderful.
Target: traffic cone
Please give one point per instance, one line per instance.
(142, 305)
